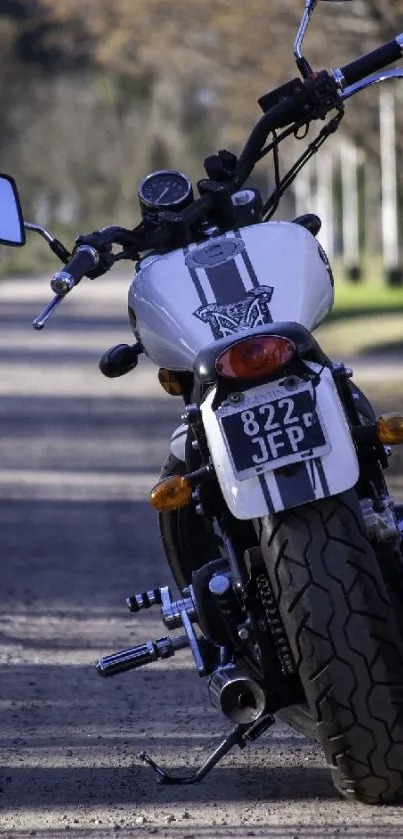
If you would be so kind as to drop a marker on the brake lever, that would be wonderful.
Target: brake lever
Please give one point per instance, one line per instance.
(375, 78)
(40, 321)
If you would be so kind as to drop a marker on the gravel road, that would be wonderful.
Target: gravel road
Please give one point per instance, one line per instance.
(78, 455)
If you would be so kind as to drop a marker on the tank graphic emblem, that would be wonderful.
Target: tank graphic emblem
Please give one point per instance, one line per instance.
(253, 310)
(214, 252)
(323, 256)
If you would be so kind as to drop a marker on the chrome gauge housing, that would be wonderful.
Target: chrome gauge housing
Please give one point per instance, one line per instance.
(165, 190)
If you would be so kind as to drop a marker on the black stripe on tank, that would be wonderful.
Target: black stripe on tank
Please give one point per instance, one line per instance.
(248, 265)
(294, 485)
(226, 282)
(196, 282)
(267, 497)
(322, 476)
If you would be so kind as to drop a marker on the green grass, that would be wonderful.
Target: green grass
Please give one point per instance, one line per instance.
(367, 317)
(362, 335)
(368, 297)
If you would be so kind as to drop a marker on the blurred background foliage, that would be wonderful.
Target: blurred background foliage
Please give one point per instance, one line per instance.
(94, 94)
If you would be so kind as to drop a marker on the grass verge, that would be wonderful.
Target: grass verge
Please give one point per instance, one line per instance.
(369, 297)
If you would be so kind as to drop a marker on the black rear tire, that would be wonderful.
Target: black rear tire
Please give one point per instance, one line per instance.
(347, 648)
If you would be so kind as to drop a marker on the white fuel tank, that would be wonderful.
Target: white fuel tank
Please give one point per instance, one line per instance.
(186, 299)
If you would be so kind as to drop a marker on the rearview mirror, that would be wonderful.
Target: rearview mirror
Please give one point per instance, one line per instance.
(12, 231)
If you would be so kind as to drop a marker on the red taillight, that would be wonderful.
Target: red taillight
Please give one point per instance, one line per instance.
(255, 357)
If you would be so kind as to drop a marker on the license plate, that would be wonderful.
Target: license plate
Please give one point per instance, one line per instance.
(267, 432)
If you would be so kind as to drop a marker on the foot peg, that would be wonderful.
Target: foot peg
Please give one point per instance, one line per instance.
(145, 600)
(171, 610)
(143, 654)
(175, 614)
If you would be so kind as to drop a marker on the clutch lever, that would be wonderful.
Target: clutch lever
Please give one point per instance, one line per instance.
(92, 257)
(40, 321)
(89, 253)
(84, 259)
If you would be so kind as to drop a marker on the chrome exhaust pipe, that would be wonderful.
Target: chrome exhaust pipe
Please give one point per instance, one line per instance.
(237, 695)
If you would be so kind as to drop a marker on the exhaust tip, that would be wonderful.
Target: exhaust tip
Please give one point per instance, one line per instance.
(237, 695)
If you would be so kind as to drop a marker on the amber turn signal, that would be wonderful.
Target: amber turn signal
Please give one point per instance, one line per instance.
(170, 494)
(389, 429)
(170, 382)
(255, 357)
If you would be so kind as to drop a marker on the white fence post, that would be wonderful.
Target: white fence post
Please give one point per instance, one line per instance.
(303, 192)
(324, 200)
(390, 245)
(350, 227)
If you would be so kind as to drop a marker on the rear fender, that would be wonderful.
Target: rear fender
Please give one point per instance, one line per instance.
(303, 481)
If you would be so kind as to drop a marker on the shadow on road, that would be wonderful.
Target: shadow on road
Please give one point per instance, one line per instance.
(383, 350)
(19, 314)
(64, 787)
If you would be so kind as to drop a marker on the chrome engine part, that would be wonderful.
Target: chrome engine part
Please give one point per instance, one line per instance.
(380, 520)
(237, 695)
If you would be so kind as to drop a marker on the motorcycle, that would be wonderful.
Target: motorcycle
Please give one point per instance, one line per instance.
(274, 513)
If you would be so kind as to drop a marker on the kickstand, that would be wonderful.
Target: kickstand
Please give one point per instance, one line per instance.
(239, 736)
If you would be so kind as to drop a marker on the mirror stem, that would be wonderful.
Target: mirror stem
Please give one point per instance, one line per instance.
(303, 66)
(57, 247)
(38, 229)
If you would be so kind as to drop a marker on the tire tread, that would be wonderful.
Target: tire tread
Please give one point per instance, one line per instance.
(345, 641)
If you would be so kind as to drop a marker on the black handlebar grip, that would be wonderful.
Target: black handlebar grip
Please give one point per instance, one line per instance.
(84, 259)
(372, 61)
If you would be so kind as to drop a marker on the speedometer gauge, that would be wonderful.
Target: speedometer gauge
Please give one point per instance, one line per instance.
(165, 190)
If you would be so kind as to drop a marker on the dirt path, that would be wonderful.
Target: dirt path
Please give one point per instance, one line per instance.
(78, 454)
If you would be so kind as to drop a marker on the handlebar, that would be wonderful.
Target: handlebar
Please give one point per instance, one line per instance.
(283, 113)
(296, 103)
(84, 259)
(369, 63)
(202, 206)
